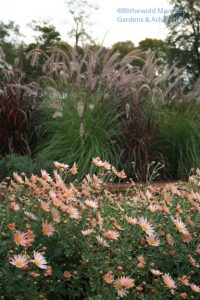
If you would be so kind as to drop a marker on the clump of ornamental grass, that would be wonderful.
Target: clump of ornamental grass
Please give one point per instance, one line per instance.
(62, 241)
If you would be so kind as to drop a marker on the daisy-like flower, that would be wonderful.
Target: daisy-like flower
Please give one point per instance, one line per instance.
(30, 215)
(122, 284)
(146, 226)
(74, 169)
(67, 274)
(20, 261)
(56, 175)
(195, 288)
(39, 260)
(141, 259)
(48, 229)
(97, 162)
(111, 235)
(120, 174)
(131, 221)
(73, 212)
(60, 166)
(55, 215)
(18, 178)
(46, 176)
(156, 272)
(45, 205)
(108, 278)
(91, 204)
(169, 282)
(20, 238)
(184, 280)
(87, 231)
(30, 237)
(152, 240)
(106, 166)
(14, 206)
(187, 238)
(193, 262)
(102, 242)
(180, 226)
(154, 207)
(11, 226)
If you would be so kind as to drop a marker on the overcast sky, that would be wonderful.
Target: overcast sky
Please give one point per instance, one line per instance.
(107, 20)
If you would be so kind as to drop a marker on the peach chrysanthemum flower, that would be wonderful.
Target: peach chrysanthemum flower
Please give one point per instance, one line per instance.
(87, 231)
(187, 238)
(106, 165)
(60, 166)
(73, 212)
(34, 274)
(14, 206)
(97, 162)
(20, 238)
(152, 240)
(131, 221)
(102, 242)
(146, 226)
(156, 272)
(168, 281)
(18, 178)
(180, 226)
(111, 235)
(49, 271)
(122, 284)
(67, 274)
(193, 262)
(46, 176)
(195, 288)
(184, 280)
(45, 206)
(20, 261)
(154, 207)
(48, 229)
(30, 215)
(120, 174)
(108, 278)
(91, 204)
(74, 169)
(56, 175)
(39, 260)
(11, 226)
(141, 259)
(55, 215)
(30, 238)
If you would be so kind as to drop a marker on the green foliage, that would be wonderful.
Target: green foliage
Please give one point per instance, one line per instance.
(123, 48)
(23, 164)
(180, 138)
(187, 15)
(152, 44)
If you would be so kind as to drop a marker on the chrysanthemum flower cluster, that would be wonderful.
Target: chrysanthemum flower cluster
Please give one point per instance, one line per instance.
(85, 242)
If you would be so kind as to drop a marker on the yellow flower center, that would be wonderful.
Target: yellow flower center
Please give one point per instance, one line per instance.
(37, 262)
(144, 227)
(18, 263)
